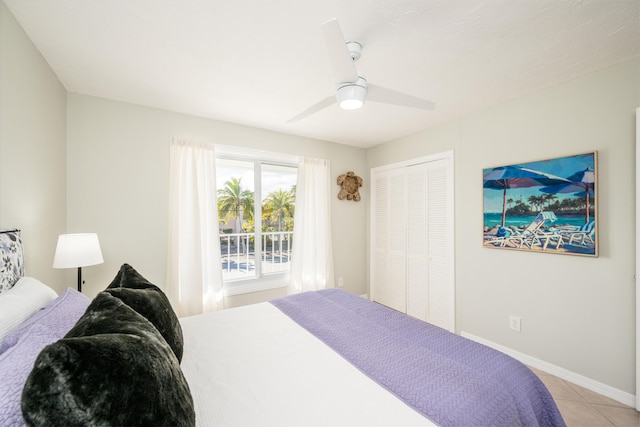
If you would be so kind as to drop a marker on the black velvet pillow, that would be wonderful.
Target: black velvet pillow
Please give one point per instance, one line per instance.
(148, 300)
(112, 369)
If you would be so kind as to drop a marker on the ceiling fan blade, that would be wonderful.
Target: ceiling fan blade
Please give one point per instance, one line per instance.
(314, 108)
(344, 71)
(380, 94)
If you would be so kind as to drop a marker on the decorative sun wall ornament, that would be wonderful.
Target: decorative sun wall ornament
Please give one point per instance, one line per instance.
(349, 186)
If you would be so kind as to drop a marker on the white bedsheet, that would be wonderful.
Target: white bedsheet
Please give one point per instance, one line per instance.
(253, 366)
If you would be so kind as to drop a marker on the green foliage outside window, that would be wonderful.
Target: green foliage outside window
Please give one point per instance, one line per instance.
(236, 204)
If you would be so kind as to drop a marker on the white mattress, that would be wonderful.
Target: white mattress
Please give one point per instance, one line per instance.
(254, 366)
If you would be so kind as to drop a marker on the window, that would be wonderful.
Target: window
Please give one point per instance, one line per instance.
(256, 204)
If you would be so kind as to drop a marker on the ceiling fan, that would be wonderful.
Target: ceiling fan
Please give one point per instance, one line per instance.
(351, 87)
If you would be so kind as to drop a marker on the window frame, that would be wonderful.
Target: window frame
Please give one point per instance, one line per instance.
(259, 158)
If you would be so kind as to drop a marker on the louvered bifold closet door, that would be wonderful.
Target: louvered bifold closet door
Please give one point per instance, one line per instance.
(380, 239)
(412, 239)
(440, 311)
(389, 240)
(417, 242)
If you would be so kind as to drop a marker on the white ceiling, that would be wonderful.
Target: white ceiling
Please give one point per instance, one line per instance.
(259, 63)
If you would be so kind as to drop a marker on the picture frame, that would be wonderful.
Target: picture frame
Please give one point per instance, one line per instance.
(548, 206)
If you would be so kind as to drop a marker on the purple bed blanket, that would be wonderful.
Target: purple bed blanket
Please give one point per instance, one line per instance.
(449, 379)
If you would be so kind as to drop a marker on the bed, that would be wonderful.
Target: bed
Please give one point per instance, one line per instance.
(325, 358)
(332, 358)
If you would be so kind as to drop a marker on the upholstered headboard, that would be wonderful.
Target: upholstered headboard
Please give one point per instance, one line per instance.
(11, 259)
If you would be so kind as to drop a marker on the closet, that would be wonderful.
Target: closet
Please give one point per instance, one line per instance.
(412, 239)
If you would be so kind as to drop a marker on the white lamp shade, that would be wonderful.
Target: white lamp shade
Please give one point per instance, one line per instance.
(77, 250)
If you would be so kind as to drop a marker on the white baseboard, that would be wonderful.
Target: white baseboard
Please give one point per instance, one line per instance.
(595, 386)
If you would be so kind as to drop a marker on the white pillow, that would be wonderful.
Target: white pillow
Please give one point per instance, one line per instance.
(19, 303)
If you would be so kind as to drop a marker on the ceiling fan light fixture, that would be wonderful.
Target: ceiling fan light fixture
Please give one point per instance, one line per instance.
(351, 96)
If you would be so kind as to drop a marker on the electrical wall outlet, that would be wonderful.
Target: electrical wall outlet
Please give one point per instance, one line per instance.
(515, 323)
(340, 282)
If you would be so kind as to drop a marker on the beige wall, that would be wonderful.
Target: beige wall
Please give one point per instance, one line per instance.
(577, 313)
(32, 150)
(118, 172)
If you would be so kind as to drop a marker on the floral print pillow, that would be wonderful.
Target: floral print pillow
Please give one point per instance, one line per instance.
(11, 259)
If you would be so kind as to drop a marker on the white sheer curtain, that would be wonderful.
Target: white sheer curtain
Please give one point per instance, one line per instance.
(194, 273)
(312, 260)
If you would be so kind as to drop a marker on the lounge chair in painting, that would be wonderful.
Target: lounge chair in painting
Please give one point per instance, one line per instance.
(583, 235)
(527, 238)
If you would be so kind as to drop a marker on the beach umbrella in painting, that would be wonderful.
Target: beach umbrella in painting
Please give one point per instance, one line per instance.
(505, 177)
(582, 183)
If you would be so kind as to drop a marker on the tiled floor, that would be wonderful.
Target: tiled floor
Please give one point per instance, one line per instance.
(583, 408)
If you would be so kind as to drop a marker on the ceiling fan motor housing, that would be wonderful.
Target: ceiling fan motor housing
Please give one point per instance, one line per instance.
(350, 96)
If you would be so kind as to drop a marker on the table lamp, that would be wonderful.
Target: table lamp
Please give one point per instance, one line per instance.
(77, 250)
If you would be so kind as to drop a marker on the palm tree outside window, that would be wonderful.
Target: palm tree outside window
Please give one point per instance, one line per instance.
(235, 204)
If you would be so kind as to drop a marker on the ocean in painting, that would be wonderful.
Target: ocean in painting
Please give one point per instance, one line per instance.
(495, 219)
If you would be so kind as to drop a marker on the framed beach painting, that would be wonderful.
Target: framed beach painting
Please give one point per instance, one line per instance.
(546, 206)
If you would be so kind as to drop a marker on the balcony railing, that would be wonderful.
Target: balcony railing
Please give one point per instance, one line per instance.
(239, 254)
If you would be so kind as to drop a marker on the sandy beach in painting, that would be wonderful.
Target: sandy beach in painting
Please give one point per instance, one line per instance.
(557, 239)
